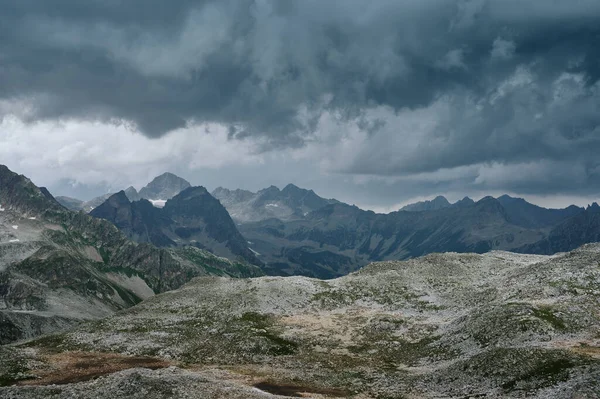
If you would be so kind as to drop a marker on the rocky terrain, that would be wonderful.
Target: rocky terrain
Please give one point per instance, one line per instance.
(59, 267)
(192, 217)
(497, 325)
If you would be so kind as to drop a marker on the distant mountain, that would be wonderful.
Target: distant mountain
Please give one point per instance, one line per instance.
(438, 202)
(192, 217)
(336, 239)
(465, 202)
(59, 267)
(139, 220)
(291, 203)
(132, 194)
(339, 238)
(72, 204)
(582, 228)
(522, 213)
(164, 187)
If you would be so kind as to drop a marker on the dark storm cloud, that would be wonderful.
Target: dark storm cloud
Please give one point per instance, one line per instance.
(507, 82)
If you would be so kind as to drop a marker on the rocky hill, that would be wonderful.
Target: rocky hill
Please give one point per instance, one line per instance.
(497, 325)
(59, 267)
(192, 217)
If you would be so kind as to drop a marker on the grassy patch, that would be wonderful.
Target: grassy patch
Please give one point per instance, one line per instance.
(546, 314)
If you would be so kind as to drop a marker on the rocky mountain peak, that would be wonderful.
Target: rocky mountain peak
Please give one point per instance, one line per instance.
(466, 201)
(438, 202)
(594, 207)
(164, 187)
(19, 193)
(132, 193)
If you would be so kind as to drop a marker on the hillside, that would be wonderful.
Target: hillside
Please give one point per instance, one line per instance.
(444, 325)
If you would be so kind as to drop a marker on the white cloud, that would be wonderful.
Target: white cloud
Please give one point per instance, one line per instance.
(503, 49)
(94, 153)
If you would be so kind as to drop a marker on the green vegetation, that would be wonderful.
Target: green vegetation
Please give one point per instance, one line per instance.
(13, 366)
(262, 325)
(546, 314)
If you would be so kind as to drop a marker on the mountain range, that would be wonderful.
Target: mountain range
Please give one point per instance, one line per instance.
(295, 231)
(339, 238)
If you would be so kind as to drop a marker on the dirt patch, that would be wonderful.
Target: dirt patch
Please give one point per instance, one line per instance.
(70, 367)
(592, 351)
(298, 391)
(93, 254)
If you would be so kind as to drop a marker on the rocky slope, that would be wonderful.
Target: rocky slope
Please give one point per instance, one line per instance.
(192, 217)
(497, 325)
(59, 267)
(291, 203)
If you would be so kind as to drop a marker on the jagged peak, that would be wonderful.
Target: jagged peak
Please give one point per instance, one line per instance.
(191, 192)
(119, 197)
(292, 188)
(168, 175)
(594, 207)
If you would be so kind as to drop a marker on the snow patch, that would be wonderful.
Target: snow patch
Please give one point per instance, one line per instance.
(253, 251)
(273, 205)
(1, 209)
(15, 227)
(31, 218)
(15, 240)
(158, 203)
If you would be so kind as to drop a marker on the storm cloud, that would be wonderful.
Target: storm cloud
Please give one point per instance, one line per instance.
(483, 94)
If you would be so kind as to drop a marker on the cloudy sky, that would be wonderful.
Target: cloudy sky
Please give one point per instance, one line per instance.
(376, 103)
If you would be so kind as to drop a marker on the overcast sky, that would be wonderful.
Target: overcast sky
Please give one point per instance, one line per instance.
(376, 103)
